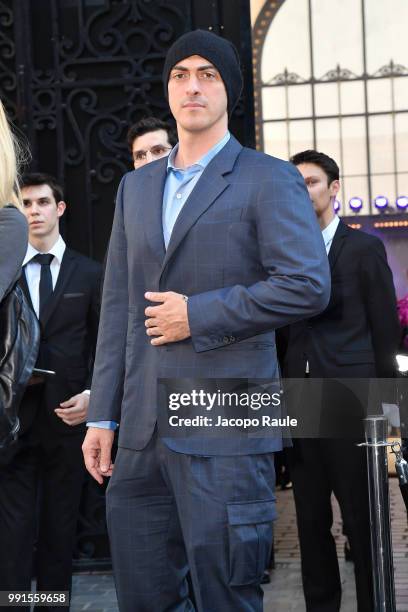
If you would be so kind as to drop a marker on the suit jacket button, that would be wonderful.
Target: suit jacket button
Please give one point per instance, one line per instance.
(226, 340)
(232, 338)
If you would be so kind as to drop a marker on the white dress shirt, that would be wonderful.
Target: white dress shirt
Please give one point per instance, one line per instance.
(329, 231)
(33, 270)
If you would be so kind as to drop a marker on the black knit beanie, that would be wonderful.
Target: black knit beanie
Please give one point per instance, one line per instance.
(219, 51)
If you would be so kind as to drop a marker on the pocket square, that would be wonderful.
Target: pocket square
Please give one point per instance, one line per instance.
(73, 295)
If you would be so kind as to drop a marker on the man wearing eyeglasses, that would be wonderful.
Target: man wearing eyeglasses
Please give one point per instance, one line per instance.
(150, 139)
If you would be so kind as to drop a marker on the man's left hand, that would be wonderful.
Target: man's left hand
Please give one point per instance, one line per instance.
(74, 410)
(169, 320)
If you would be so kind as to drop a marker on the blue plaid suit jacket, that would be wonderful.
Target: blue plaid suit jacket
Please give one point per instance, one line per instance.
(246, 249)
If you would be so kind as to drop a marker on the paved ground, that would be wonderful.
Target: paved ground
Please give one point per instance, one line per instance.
(96, 592)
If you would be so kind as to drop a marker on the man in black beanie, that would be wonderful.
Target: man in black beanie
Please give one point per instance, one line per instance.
(220, 52)
(227, 250)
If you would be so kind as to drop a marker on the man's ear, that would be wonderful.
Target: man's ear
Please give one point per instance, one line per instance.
(61, 206)
(334, 188)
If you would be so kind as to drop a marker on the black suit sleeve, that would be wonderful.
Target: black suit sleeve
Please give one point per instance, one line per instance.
(381, 304)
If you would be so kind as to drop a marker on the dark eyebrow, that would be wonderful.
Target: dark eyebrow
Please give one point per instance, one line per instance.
(207, 67)
(182, 68)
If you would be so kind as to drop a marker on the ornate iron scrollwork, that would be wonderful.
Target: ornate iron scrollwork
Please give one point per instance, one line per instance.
(285, 78)
(390, 70)
(338, 74)
(8, 68)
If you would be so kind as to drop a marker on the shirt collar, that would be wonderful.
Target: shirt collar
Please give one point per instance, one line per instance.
(330, 230)
(57, 250)
(201, 163)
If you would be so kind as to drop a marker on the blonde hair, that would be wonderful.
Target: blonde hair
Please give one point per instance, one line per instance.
(9, 155)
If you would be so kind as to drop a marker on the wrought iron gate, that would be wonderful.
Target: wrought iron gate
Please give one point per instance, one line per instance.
(74, 74)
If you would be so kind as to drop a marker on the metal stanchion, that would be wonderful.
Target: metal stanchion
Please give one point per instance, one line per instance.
(381, 547)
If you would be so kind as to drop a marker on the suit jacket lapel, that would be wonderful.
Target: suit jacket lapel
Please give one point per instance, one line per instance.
(154, 189)
(68, 266)
(24, 285)
(337, 244)
(209, 186)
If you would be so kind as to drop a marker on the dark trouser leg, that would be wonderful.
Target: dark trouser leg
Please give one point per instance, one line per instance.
(312, 491)
(19, 473)
(226, 507)
(147, 548)
(62, 475)
(17, 519)
(348, 467)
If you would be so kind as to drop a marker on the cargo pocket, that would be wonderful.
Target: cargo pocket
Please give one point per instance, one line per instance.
(250, 540)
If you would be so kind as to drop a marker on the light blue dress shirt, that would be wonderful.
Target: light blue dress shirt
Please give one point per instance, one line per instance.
(180, 182)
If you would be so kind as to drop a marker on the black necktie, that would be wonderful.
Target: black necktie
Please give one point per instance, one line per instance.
(45, 279)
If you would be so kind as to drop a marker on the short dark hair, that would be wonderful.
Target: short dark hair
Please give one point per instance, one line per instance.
(150, 124)
(33, 179)
(326, 163)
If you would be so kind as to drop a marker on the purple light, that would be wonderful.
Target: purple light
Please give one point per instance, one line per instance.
(381, 202)
(402, 202)
(337, 205)
(356, 204)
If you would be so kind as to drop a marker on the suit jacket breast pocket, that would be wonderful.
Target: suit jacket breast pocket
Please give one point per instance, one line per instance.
(73, 307)
(223, 215)
(70, 296)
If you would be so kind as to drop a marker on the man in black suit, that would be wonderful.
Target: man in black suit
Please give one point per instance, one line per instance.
(356, 337)
(44, 469)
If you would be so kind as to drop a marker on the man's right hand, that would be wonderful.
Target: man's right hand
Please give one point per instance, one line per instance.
(97, 448)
